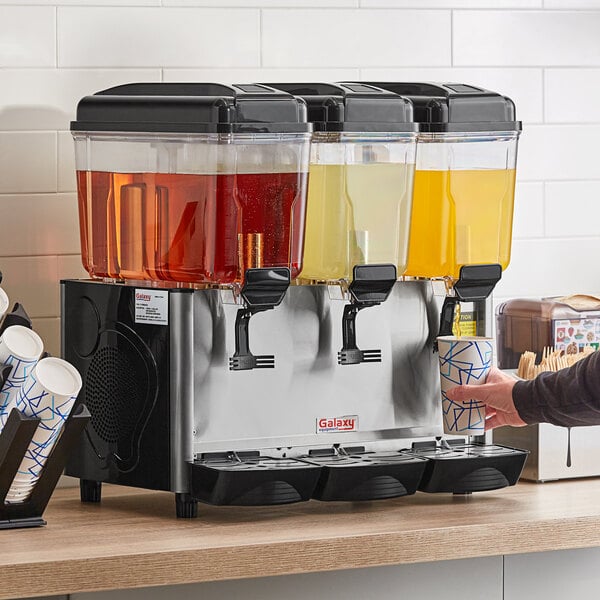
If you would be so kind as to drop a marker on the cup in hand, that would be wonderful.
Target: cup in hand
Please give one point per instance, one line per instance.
(20, 348)
(463, 361)
(49, 394)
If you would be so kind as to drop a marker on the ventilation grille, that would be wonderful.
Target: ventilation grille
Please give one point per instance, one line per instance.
(114, 394)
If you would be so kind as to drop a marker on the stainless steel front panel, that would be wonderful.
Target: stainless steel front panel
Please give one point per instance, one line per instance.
(280, 407)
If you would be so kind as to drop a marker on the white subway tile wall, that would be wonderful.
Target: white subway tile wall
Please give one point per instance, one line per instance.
(27, 36)
(545, 54)
(528, 222)
(526, 38)
(28, 160)
(351, 38)
(150, 37)
(580, 83)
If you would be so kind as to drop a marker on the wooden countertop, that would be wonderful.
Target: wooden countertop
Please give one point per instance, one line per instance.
(134, 540)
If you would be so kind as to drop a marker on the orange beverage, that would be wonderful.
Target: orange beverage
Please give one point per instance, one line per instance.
(460, 217)
(193, 228)
(191, 183)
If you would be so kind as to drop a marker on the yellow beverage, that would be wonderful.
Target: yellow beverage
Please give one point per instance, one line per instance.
(460, 217)
(356, 214)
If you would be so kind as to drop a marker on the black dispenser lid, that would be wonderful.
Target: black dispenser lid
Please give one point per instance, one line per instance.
(352, 107)
(191, 108)
(456, 107)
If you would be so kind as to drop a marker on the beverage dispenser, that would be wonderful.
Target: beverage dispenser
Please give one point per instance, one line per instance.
(192, 208)
(464, 188)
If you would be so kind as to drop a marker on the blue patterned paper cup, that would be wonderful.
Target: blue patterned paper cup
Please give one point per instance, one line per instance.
(20, 348)
(464, 361)
(49, 393)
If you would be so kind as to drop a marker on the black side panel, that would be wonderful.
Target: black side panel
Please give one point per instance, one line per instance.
(125, 371)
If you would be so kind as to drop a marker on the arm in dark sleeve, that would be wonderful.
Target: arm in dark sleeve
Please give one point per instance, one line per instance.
(569, 397)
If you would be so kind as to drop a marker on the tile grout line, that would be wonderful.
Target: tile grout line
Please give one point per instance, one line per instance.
(260, 37)
(452, 38)
(56, 37)
(544, 95)
(57, 165)
(544, 224)
(486, 67)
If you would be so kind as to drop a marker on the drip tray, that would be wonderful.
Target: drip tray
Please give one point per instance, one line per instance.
(464, 468)
(249, 479)
(358, 475)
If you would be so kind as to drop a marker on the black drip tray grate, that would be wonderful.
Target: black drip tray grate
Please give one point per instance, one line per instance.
(466, 468)
(251, 480)
(366, 476)
(244, 464)
(464, 451)
(361, 460)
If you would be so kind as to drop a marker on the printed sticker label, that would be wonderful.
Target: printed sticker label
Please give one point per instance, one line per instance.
(337, 424)
(468, 323)
(152, 306)
(572, 335)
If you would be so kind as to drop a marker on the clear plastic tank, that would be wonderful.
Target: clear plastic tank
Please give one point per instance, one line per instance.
(361, 177)
(463, 202)
(191, 183)
(464, 180)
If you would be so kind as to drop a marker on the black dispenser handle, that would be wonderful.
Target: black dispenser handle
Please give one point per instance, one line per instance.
(263, 289)
(447, 315)
(475, 283)
(371, 285)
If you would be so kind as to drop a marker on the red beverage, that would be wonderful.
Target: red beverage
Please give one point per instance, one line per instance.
(190, 228)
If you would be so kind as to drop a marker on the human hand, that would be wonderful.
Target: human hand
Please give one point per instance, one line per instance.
(496, 394)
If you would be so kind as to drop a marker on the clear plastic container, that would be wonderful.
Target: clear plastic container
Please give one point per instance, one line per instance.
(191, 206)
(359, 202)
(464, 180)
(362, 164)
(463, 202)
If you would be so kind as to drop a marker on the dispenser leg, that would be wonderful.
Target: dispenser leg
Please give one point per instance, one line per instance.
(90, 491)
(186, 506)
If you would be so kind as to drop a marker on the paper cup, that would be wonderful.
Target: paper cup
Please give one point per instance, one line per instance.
(20, 493)
(463, 361)
(20, 348)
(49, 394)
(16, 498)
(19, 487)
(4, 303)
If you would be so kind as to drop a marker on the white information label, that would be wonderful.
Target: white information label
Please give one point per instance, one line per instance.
(152, 306)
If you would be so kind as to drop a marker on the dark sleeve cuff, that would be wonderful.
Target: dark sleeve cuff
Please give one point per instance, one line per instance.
(522, 394)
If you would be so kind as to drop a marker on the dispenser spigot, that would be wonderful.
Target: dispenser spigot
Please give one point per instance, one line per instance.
(263, 289)
(371, 285)
(475, 282)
